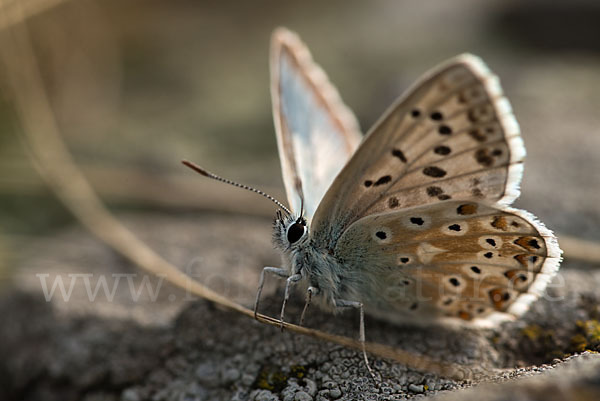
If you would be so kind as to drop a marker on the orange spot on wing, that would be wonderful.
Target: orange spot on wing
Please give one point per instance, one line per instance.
(516, 275)
(467, 209)
(522, 259)
(500, 223)
(499, 298)
(511, 274)
(529, 243)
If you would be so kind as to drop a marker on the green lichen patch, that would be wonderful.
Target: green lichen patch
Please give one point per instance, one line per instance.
(540, 344)
(587, 336)
(273, 379)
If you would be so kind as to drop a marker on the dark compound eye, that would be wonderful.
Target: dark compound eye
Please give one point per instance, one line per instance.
(295, 232)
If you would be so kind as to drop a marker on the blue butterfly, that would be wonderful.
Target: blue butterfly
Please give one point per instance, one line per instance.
(411, 222)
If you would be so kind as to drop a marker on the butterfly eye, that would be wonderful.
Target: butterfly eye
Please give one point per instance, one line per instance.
(295, 232)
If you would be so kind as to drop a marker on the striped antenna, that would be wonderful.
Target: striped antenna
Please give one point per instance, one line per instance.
(208, 174)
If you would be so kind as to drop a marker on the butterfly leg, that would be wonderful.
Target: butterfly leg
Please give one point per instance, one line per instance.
(293, 279)
(309, 294)
(340, 303)
(278, 271)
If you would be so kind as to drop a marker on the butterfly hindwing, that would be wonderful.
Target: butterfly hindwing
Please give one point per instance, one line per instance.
(316, 132)
(453, 136)
(460, 259)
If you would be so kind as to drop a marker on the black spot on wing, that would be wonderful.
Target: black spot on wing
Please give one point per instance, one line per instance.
(434, 191)
(445, 130)
(383, 180)
(484, 158)
(442, 150)
(454, 227)
(417, 220)
(436, 116)
(399, 154)
(433, 171)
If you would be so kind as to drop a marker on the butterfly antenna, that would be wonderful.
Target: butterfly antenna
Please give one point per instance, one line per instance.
(301, 207)
(208, 174)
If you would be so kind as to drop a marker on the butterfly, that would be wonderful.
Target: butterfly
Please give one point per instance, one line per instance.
(411, 222)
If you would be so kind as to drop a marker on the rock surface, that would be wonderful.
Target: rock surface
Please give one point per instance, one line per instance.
(171, 348)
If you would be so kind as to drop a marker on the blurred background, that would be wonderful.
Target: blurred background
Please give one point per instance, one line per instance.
(136, 86)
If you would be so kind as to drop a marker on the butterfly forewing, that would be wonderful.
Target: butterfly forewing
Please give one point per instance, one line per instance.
(460, 259)
(453, 136)
(316, 132)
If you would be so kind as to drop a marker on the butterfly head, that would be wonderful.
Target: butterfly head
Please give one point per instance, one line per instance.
(290, 231)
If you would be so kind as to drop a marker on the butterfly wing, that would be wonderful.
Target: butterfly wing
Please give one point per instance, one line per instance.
(453, 136)
(454, 259)
(418, 216)
(316, 132)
